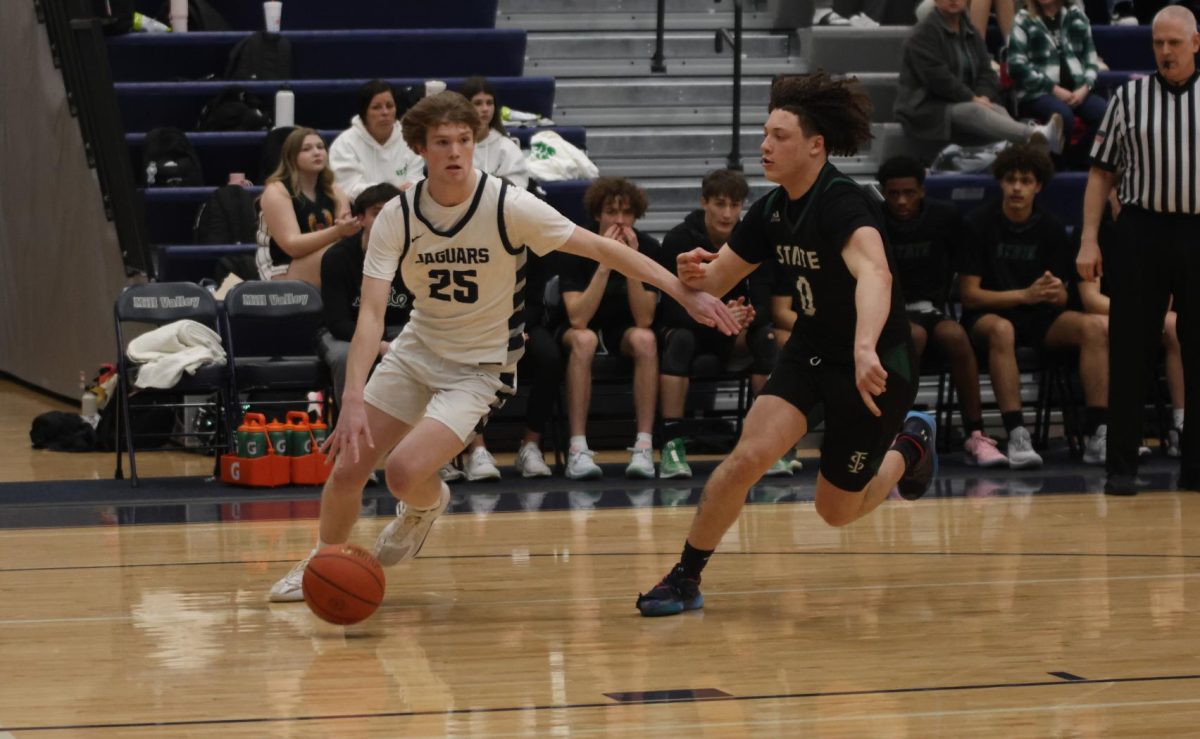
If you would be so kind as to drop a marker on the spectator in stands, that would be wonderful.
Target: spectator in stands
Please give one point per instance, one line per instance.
(610, 314)
(926, 239)
(341, 284)
(1053, 65)
(722, 195)
(303, 212)
(1095, 299)
(495, 152)
(372, 150)
(1014, 294)
(948, 90)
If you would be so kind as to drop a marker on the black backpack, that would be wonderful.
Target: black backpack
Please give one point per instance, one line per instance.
(201, 16)
(227, 217)
(271, 151)
(234, 109)
(260, 56)
(168, 159)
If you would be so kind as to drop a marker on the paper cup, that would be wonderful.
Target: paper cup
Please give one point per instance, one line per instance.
(179, 16)
(273, 15)
(433, 87)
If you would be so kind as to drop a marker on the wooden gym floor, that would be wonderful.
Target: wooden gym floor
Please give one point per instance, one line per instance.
(993, 609)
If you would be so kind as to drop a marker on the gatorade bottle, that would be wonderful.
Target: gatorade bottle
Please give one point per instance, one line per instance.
(299, 438)
(252, 436)
(278, 433)
(319, 433)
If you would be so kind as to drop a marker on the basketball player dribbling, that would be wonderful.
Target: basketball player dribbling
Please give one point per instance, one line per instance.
(459, 238)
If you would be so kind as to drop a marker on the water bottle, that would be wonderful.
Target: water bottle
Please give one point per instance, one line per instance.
(285, 108)
(278, 434)
(252, 436)
(88, 409)
(299, 438)
(151, 173)
(319, 433)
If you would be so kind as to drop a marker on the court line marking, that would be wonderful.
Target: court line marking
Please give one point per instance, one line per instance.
(761, 591)
(675, 726)
(612, 705)
(554, 555)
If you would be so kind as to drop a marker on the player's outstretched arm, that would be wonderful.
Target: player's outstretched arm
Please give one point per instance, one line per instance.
(715, 274)
(867, 261)
(364, 348)
(703, 307)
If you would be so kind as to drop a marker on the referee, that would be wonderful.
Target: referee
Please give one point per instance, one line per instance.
(1151, 136)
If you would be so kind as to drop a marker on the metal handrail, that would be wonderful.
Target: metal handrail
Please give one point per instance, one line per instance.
(734, 160)
(657, 62)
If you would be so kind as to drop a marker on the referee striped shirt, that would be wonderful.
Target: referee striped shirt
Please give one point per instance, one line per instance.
(1151, 134)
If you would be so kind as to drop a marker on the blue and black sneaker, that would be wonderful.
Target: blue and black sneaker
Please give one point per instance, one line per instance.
(921, 430)
(674, 594)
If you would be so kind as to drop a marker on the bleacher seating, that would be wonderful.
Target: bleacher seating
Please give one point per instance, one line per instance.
(319, 103)
(328, 54)
(222, 152)
(247, 15)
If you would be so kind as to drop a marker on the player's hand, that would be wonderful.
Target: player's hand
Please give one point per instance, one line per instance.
(870, 377)
(709, 311)
(742, 312)
(690, 266)
(352, 424)
(1089, 263)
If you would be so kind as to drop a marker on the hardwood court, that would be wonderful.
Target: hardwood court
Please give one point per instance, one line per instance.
(1050, 615)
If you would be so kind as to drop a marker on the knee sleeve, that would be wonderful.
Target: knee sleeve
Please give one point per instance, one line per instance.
(679, 347)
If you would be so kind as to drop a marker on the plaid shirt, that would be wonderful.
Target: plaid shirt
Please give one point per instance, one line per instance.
(1034, 52)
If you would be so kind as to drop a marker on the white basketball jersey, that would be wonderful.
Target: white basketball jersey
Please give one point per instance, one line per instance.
(468, 280)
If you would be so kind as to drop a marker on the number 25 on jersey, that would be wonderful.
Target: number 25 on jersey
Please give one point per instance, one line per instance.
(466, 290)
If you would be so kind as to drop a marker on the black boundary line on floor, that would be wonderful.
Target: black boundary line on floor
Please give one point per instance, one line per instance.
(606, 704)
(548, 555)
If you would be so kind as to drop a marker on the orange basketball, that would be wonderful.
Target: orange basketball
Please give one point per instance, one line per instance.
(343, 584)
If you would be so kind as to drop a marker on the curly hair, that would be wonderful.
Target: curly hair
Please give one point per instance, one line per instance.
(433, 111)
(604, 189)
(836, 109)
(1024, 158)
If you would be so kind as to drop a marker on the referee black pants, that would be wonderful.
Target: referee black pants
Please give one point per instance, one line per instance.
(1157, 255)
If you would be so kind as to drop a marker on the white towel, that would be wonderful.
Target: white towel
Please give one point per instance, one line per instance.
(170, 350)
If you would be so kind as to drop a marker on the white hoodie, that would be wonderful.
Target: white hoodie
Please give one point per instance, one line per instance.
(359, 161)
(499, 155)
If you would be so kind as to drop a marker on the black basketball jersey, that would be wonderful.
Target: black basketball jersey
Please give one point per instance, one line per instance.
(806, 238)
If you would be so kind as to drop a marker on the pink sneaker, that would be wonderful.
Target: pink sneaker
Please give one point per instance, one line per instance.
(981, 451)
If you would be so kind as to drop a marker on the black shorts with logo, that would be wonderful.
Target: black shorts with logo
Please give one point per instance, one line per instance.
(855, 439)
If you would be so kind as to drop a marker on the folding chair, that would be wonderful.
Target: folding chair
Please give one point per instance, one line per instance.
(157, 304)
(270, 332)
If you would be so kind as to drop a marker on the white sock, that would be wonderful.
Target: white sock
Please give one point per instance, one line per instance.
(644, 441)
(445, 490)
(1177, 417)
(578, 443)
(529, 445)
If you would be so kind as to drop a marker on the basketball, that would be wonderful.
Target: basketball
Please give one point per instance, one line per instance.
(343, 584)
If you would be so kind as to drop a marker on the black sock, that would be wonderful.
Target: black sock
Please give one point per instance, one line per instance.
(692, 561)
(972, 425)
(672, 428)
(1093, 418)
(910, 449)
(1012, 420)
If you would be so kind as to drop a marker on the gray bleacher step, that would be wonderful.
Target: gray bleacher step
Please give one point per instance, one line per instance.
(640, 45)
(624, 66)
(696, 167)
(672, 7)
(656, 92)
(701, 141)
(853, 50)
(643, 21)
(666, 115)
(682, 193)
